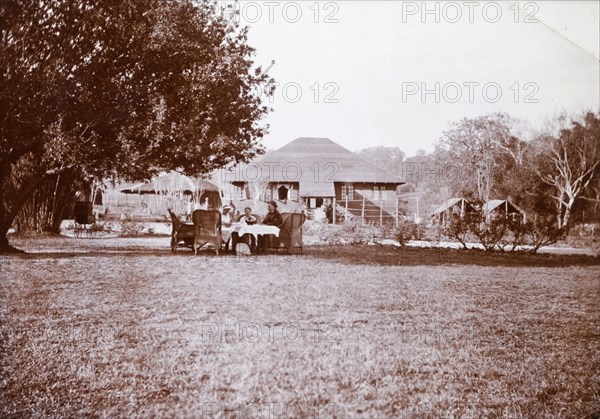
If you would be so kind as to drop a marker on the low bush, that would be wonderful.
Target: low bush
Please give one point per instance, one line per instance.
(313, 228)
(354, 232)
(516, 236)
(350, 232)
(502, 233)
(542, 231)
(456, 229)
(130, 228)
(489, 233)
(584, 235)
(407, 230)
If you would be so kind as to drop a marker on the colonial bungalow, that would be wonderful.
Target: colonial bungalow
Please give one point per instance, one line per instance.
(312, 171)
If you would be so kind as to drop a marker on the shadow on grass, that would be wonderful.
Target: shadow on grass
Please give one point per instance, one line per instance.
(347, 254)
(412, 256)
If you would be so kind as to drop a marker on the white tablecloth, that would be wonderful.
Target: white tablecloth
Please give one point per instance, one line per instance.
(255, 229)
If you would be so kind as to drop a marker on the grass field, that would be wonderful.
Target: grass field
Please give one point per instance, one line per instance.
(116, 327)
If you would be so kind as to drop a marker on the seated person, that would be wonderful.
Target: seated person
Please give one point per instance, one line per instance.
(248, 218)
(226, 221)
(226, 218)
(273, 217)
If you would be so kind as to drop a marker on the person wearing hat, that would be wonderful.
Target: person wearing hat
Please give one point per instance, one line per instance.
(273, 217)
(226, 219)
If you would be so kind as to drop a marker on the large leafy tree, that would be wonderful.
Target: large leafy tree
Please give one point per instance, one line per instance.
(480, 155)
(99, 89)
(568, 163)
(588, 207)
(388, 158)
(548, 176)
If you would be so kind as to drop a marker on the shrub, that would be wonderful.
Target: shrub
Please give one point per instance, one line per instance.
(331, 234)
(584, 235)
(388, 231)
(354, 232)
(492, 234)
(407, 230)
(516, 235)
(499, 232)
(457, 229)
(131, 228)
(543, 231)
(313, 228)
(489, 233)
(350, 232)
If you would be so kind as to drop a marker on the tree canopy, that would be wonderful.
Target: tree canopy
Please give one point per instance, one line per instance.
(569, 162)
(122, 89)
(388, 158)
(547, 175)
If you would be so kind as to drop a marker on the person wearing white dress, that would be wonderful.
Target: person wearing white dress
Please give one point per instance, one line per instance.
(226, 221)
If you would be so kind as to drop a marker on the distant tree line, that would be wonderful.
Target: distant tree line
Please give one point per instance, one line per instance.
(554, 175)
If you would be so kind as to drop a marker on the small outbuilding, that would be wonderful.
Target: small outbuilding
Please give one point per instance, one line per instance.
(452, 206)
(502, 208)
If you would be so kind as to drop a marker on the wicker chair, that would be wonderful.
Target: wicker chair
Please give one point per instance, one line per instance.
(85, 221)
(182, 233)
(207, 225)
(290, 231)
(290, 234)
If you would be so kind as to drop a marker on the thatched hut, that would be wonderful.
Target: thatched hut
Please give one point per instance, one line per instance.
(173, 190)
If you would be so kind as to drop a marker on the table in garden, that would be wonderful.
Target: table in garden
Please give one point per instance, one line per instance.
(255, 230)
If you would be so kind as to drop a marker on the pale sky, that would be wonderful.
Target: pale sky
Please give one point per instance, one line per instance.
(379, 56)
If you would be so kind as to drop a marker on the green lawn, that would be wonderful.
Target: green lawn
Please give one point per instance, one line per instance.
(128, 330)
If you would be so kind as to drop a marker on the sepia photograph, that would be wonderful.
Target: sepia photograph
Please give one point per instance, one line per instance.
(299, 209)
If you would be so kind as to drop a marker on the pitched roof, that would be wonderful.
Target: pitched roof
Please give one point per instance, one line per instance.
(316, 163)
(171, 181)
(449, 204)
(495, 204)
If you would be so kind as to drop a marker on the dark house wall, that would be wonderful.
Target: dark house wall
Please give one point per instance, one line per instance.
(366, 189)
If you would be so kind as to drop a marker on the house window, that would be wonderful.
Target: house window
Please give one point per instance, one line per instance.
(377, 193)
(267, 194)
(282, 193)
(242, 192)
(347, 191)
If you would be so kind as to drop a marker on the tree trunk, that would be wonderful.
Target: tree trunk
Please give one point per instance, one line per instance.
(52, 200)
(559, 215)
(3, 240)
(8, 214)
(4, 223)
(5, 247)
(567, 215)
